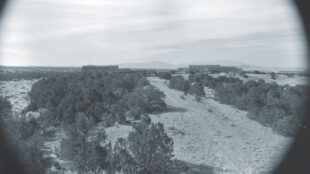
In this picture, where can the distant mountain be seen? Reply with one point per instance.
(228, 63)
(149, 65)
(219, 62)
(164, 65)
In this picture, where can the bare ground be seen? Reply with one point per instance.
(17, 93)
(214, 134)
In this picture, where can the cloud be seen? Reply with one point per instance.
(77, 32)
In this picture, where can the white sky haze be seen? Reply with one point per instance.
(78, 32)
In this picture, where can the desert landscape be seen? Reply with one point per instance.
(152, 87)
(208, 134)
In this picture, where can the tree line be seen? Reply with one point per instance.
(110, 98)
(31, 74)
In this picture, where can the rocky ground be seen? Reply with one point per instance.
(214, 134)
(17, 93)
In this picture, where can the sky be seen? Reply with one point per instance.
(102, 32)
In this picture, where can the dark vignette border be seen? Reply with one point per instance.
(296, 161)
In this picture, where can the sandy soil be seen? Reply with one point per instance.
(218, 135)
(17, 93)
(115, 132)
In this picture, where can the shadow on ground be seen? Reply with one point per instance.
(175, 109)
(181, 167)
(170, 109)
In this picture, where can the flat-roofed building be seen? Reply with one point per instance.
(232, 69)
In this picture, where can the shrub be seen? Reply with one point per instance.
(146, 100)
(102, 97)
(85, 148)
(147, 150)
(286, 126)
(5, 107)
(179, 83)
(164, 75)
(258, 72)
(23, 137)
(273, 75)
(197, 89)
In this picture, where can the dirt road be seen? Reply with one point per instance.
(218, 135)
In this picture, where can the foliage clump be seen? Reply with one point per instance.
(107, 98)
(164, 75)
(147, 150)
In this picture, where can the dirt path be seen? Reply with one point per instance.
(218, 135)
(52, 150)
